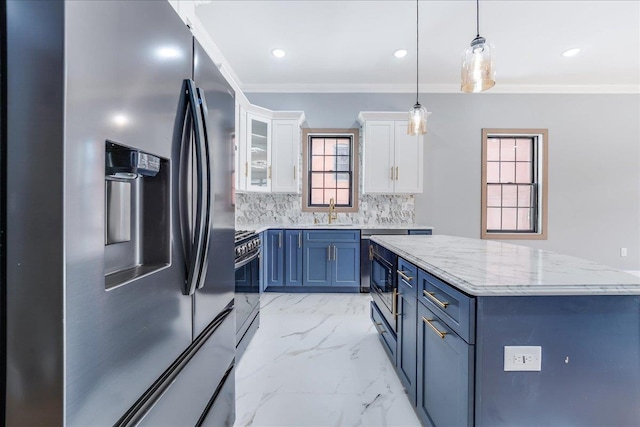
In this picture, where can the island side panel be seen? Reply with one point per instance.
(590, 361)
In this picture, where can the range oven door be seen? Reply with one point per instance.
(383, 286)
(247, 299)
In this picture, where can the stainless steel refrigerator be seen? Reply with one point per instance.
(117, 220)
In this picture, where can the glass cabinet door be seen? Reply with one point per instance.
(259, 139)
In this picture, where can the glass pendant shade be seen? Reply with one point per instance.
(417, 120)
(478, 71)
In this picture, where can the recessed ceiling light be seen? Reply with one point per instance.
(400, 53)
(120, 119)
(278, 53)
(571, 52)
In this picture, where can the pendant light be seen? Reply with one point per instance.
(418, 114)
(478, 72)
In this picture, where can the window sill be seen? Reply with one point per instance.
(513, 236)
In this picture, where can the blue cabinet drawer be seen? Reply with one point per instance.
(445, 373)
(408, 276)
(452, 306)
(332, 236)
(385, 332)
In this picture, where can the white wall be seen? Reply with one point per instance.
(594, 160)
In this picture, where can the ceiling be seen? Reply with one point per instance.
(347, 46)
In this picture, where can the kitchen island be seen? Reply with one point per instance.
(494, 334)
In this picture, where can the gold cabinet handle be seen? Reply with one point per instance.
(432, 297)
(370, 252)
(246, 169)
(397, 172)
(394, 303)
(300, 239)
(391, 173)
(404, 276)
(269, 172)
(280, 239)
(378, 326)
(428, 322)
(329, 253)
(294, 172)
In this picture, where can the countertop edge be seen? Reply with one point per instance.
(259, 228)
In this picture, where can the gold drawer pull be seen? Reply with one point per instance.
(404, 276)
(380, 330)
(428, 322)
(433, 298)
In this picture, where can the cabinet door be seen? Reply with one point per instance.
(407, 362)
(378, 157)
(408, 152)
(293, 258)
(275, 258)
(285, 154)
(317, 264)
(240, 149)
(445, 373)
(346, 264)
(258, 153)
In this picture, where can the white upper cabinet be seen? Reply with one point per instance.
(258, 153)
(378, 162)
(240, 149)
(285, 156)
(267, 150)
(392, 160)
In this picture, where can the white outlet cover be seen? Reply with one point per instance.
(522, 358)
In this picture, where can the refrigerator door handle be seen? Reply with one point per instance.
(206, 169)
(192, 243)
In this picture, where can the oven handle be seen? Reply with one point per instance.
(381, 260)
(247, 260)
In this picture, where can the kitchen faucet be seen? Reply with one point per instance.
(332, 210)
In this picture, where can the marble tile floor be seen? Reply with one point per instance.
(316, 361)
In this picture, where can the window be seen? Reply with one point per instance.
(514, 183)
(331, 169)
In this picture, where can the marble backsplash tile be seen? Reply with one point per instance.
(262, 208)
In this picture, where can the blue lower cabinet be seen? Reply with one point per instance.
(293, 258)
(331, 258)
(346, 264)
(444, 373)
(274, 274)
(385, 332)
(317, 264)
(406, 364)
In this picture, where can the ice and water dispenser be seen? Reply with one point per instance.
(137, 214)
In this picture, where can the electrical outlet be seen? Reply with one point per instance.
(623, 251)
(522, 358)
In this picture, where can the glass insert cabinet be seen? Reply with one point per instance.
(259, 154)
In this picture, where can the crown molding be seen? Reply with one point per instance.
(439, 88)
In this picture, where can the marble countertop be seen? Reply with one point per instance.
(489, 268)
(262, 227)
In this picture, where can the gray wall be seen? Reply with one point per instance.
(594, 160)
